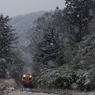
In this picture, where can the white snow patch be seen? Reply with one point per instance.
(10, 89)
(74, 86)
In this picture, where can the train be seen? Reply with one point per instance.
(27, 80)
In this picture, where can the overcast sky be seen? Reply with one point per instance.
(21, 7)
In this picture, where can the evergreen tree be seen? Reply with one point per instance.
(7, 37)
(49, 48)
(79, 13)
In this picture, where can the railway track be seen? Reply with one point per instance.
(43, 92)
(29, 91)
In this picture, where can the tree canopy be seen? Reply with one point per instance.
(7, 37)
(79, 13)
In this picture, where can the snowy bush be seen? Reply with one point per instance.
(67, 77)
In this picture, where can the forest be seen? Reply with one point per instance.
(57, 48)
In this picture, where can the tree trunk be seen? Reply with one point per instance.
(86, 29)
(79, 34)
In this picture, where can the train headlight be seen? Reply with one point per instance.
(30, 76)
(23, 75)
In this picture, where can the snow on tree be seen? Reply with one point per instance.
(49, 46)
(7, 41)
(7, 37)
(79, 13)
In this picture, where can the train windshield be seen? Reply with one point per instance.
(30, 78)
(23, 78)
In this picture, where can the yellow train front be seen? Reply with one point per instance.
(27, 80)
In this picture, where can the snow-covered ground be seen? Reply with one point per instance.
(18, 92)
(9, 87)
